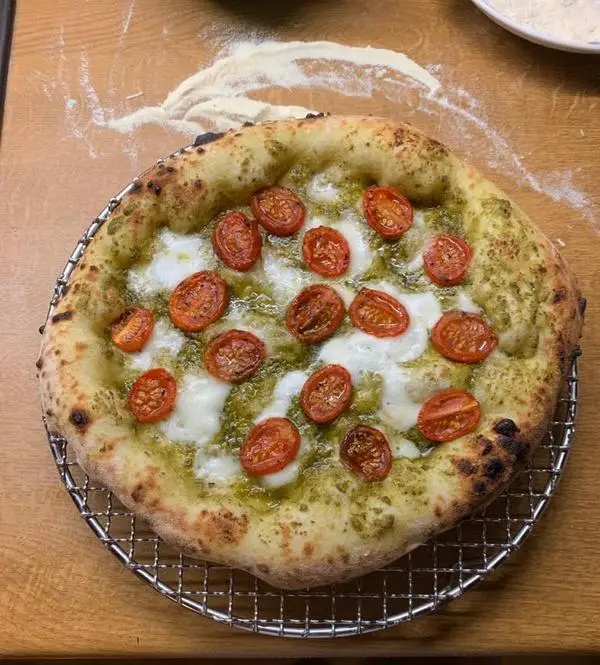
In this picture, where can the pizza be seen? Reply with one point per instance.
(304, 347)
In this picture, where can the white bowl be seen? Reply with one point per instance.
(534, 35)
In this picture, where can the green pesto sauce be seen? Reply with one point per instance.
(251, 298)
(445, 220)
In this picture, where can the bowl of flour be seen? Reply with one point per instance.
(567, 25)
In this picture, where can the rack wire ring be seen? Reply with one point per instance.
(439, 571)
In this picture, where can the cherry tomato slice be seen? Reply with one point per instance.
(387, 211)
(326, 251)
(236, 241)
(378, 314)
(198, 301)
(315, 314)
(449, 414)
(234, 355)
(152, 396)
(278, 210)
(366, 452)
(446, 260)
(463, 337)
(132, 329)
(270, 446)
(326, 393)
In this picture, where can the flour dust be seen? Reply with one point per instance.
(231, 90)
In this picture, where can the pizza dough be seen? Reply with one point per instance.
(317, 520)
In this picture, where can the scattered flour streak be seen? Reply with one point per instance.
(96, 108)
(219, 92)
(127, 18)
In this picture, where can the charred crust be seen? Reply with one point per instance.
(582, 305)
(153, 187)
(314, 116)
(209, 137)
(62, 316)
(506, 427)
(494, 469)
(248, 124)
(79, 418)
(223, 526)
(39, 363)
(480, 487)
(559, 296)
(486, 445)
(42, 328)
(465, 466)
(400, 136)
(516, 449)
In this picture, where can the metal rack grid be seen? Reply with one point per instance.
(420, 582)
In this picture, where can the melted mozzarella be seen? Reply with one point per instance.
(345, 293)
(416, 263)
(164, 341)
(465, 304)
(423, 308)
(322, 190)
(238, 319)
(197, 413)
(360, 252)
(404, 448)
(178, 257)
(287, 387)
(220, 468)
(286, 476)
(285, 280)
(312, 221)
(361, 353)
(416, 237)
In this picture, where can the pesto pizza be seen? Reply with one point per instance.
(304, 347)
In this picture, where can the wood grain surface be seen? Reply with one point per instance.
(62, 592)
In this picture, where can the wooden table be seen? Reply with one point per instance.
(62, 593)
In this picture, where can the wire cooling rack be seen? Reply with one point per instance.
(420, 582)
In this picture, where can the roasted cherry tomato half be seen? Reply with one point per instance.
(234, 355)
(326, 393)
(270, 446)
(326, 251)
(463, 337)
(366, 452)
(379, 314)
(198, 301)
(448, 414)
(132, 329)
(387, 211)
(315, 314)
(446, 260)
(152, 396)
(236, 241)
(278, 210)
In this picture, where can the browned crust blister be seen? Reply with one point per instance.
(291, 545)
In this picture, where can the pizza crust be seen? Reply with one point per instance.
(340, 527)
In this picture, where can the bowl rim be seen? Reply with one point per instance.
(536, 36)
